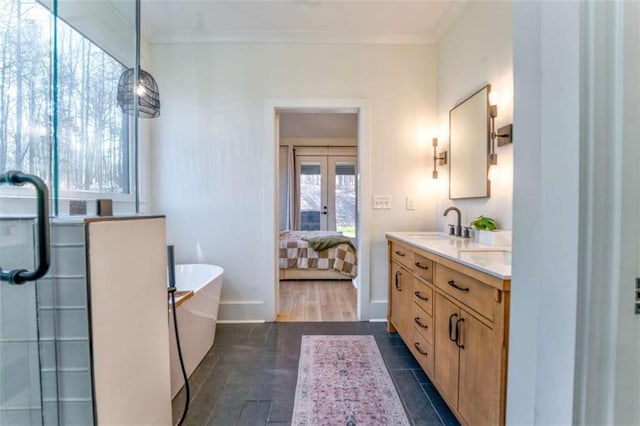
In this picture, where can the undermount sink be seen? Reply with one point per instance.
(429, 236)
(485, 256)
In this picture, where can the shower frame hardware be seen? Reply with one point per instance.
(21, 276)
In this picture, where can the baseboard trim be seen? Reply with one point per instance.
(377, 309)
(233, 311)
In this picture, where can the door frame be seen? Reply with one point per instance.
(363, 217)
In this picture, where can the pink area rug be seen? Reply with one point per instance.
(342, 380)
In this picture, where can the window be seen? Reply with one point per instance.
(93, 135)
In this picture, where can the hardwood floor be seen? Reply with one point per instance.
(317, 301)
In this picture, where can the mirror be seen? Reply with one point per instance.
(469, 147)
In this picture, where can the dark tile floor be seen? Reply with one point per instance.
(249, 376)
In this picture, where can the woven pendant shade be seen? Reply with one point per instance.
(146, 89)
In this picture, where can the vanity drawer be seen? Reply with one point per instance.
(422, 350)
(423, 267)
(423, 295)
(469, 291)
(402, 254)
(422, 323)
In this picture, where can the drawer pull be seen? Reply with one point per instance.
(399, 253)
(420, 296)
(417, 320)
(419, 265)
(453, 284)
(419, 349)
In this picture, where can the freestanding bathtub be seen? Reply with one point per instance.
(196, 318)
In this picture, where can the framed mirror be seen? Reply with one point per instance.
(469, 147)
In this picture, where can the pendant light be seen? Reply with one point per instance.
(137, 84)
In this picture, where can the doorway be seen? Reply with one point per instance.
(318, 199)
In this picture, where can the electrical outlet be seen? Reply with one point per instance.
(409, 203)
(382, 202)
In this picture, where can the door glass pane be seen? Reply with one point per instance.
(26, 30)
(20, 361)
(310, 196)
(346, 199)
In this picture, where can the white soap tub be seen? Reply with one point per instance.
(196, 318)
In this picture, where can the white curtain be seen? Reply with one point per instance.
(291, 189)
(287, 188)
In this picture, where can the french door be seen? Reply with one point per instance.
(327, 198)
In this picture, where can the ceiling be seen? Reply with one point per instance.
(298, 21)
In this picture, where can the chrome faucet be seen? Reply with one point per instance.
(459, 224)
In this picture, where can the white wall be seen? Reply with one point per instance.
(542, 346)
(608, 350)
(476, 50)
(212, 168)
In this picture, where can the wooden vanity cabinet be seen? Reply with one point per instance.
(421, 338)
(467, 373)
(400, 293)
(457, 331)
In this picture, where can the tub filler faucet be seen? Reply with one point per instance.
(458, 232)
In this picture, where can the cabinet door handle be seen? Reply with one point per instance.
(420, 296)
(453, 284)
(399, 253)
(453, 339)
(417, 321)
(419, 349)
(419, 265)
(461, 346)
(398, 273)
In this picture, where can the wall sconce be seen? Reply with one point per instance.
(439, 158)
(503, 137)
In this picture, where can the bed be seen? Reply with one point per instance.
(299, 261)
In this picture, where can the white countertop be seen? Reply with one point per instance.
(493, 260)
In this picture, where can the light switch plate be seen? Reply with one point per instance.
(382, 202)
(409, 203)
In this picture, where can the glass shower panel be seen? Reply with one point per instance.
(59, 120)
(20, 386)
(26, 34)
(26, 107)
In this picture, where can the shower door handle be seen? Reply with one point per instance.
(20, 276)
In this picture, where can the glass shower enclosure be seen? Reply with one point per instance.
(60, 61)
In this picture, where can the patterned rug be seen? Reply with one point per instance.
(342, 380)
